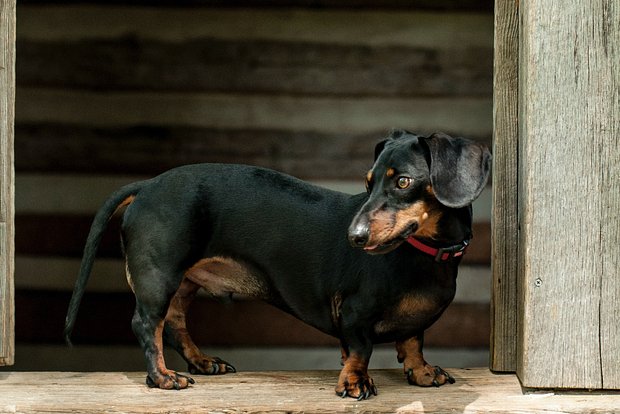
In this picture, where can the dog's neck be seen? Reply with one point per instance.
(454, 227)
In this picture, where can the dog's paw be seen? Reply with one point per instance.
(428, 376)
(356, 385)
(210, 366)
(169, 380)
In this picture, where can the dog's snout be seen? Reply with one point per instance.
(359, 235)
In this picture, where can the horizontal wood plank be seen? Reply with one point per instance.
(444, 5)
(75, 194)
(476, 390)
(468, 116)
(106, 318)
(149, 150)
(377, 27)
(255, 66)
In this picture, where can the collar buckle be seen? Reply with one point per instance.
(446, 253)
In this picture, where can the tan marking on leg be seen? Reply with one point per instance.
(416, 369)
(176, 320)
(159, 348)
(354, 378)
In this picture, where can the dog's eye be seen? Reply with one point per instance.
(403, 182)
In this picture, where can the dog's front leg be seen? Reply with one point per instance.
(354, 380)
(417, 370)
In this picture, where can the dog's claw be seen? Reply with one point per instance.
(410, 379)
(230, 368)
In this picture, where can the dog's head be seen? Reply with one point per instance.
(413, 181)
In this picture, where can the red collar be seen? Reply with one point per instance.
(443, 254)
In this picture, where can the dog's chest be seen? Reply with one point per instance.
(410, 313)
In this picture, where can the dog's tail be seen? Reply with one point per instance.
(120, 198)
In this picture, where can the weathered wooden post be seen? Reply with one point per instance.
(7, 102)
(565, 290)
(505, 150)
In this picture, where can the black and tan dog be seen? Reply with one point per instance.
(370, 268)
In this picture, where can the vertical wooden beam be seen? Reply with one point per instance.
(7, 102)
(569, 194)
(505, 173)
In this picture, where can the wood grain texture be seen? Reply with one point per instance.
(475, 391)
(150, 150)
(255, 66)
(609, 144)
(372, 28)
(505, 177)
(470, 116)
(443, 5)
(7, 102)
(569, 117)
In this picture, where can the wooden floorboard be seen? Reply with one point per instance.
(476, 390)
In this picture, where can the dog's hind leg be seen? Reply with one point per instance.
(176, 334)
(154, 289)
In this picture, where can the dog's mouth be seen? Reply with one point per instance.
(387, 246)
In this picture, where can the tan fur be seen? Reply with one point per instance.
(222, 276)
(386, 225)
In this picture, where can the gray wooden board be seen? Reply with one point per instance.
(476, 390)
(7, 94)
(569, 199)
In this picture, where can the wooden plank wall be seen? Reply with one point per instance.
(113, 91)
(7, 100)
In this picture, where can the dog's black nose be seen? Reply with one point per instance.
(358, 236)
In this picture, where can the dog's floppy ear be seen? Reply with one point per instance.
(459, 169)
